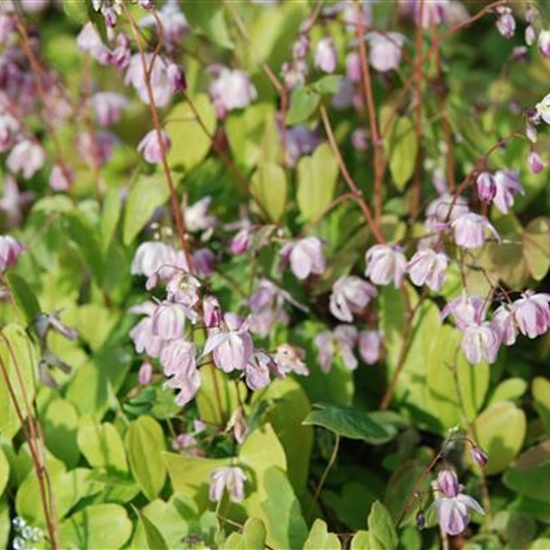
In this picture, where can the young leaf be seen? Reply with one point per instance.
(155, 540)
(382, 532)
(270, 188)
(320, 539)
(303, 103)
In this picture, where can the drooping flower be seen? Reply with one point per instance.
(267, 307)
(173, 21)
(238, 425)
(370, 346)
(532, 313)
(291, 359)
(178, 358)
(177, 78)
(232, 89)
(444, 210)
(8, 131)
(10, 250)
(453, 506)
(507, 185)
(480, 342)
(169, 320)
(428, 267)
(211, 311)
(241, 241)
(204, 262)
(431, 13)
(504, 323)
(13, 202)
(506, 23)
(305, 256)
(341, 342)
(530, 35)
(486, 187)
(61, 178)
(230, 479)
(108, 107)
(542, 109)
(465, 310)
(145, 373)
(353, 67)
(197, 217)
(479, 456)
(152, 149)
(89, 40)
(183, 288)
(469, 230)
(157, 69)
(187, 386)
(385, 50)
(535, 163)
(144, 339)
(26, 157)
(350, 295)
(544, 43)
(155, 257)
(385, 264)
(325, 55)
(257, 369)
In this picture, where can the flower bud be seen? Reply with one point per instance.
(535, 162)
(530, 35)
(506, 24)
(177, 78)
(325, 56)
(544, 43)
(479, 456)
(486, 188)
(420, 520)
(145, 374)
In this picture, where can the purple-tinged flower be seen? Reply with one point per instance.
(108, 107)
(340, 341)
(13, 201)
(295, 73)
(89, 40)
(486, 187)
(532, 313)
(152, 149)
(153, 257)
(353, 67)
(370, 346)
(305, 255)
(231, 347)
(542, 109)
(169, 320)
(177, 78)
(544, 43)
(8, 131)
(479, 456)
(188, 444)
(161, 85)
(535, 162)
(232, 89)
(110, 9)
(241, 241)
(506, 23)
(355, 14)
(204, 262)
(431, 13)
(291, 359)
(469, 230)
(188, 387)
(504, 323)
(120, 56)
(197, 217)
(360, 139)
(466, 310)
(453, 507)
(384, 264)
(530, 35)
(10, 250)
(350, 295)
(26, 157)
(144, 339)
(61, 179)
(237, 423)
(178, 358)
(480, 342)
(507, 186)
(96, 148)
(212, 311)
(267, 307)
(145, 373)
(531, 133)
(300, 141)
(428, 267)
(230, 479)
(256, 370)
(325, 58)
(385, 50)
(146, 4)
(7, 27)
(301, 46)
(183, 288)
(173, 21)
(444, 210)
(420, 520)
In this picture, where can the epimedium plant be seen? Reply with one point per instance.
(273, 274)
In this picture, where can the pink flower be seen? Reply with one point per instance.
(177, 78)
(530, 35)
(504, 323)
(531, 133)
(145, 374)
(231, 347)
(204, 262)
(152, 149)
(535, 162)
(465, 310)
(431, 13)
(173, 21)
(26, 157)
(155, 257)
(256, 370)
(428, 267)
(61, 178)
(290, 359)
(230, 479)
(161, 84)
(241, 241)
(108, 107)
(267, 307)
(169, 320)
(444, 210)
(385, 264)
(89, 40)
(479, 456)
(144, 339)
(212, 311)
(237, 423)
(544, 43)
(8, 131)
(506, 23)
(197, 217)
(183, 288)
(10, 250)
(232, 89)
(385, 50)
(340, 341)
(325, 55)
(305, 256)
(532, 313)
(370, 346)
(353, 67)
(480, 342)
(97, 147)
(507, 185)
(469, 230)
(350, 295)
(542, 109)
(453, 507)
(13, 202)
(178, 358)
(486, 187)
(188, 387)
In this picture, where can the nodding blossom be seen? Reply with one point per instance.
(257, 369)
(154, 258)
(350, 295)
(26, 157)
(8, 131)
(453, 507)
(535, 163)
(152, 149)
(532, 313)
(479, 456)
(161, 85)
(13, 201)
(428, 267)
(465, 310)
(385, 264)
(480, 342)
(228, 479)
(108, 107)
(530, 35)
(305, 256)
(444, 210)
(179, 358)
(183, 288)
(504, 323)
(486, 187)
(542, 109)
(231, 89)
(267, 307)
(173, 21)
(169, 320)
(339, 341)
(61, 178)
(10, 250)
(89, 41)
(197, 217)
(431, 13)
(544, 43)
(506, 23)
(290, 359)
(370, 346)
(385, 50)
(353, 67)
(325, 55)
(469, 230)
(142, 333)
(145, 373)
(187, 387)
(507, 186)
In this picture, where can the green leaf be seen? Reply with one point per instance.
(155, 540)
(144, 445)
(269, 187)
(536, 247)
(382, 532)
(97, 527)
(317, 177)
(528, 477)
(60, 422)
(145, 196)
(16, 352)
(4, 471)
(190, 142)
(327, 85)
(24, 296)
(401, 147)
(252, 537)
(102, 445)
(320, 539)
(89, 390)
(541, 399)
(361, 541)
(208, 19)
(303, 103)
(509, 390)
(214, 383)
(346, 422)
(77, 11)
(112, 208)
(502, 445)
